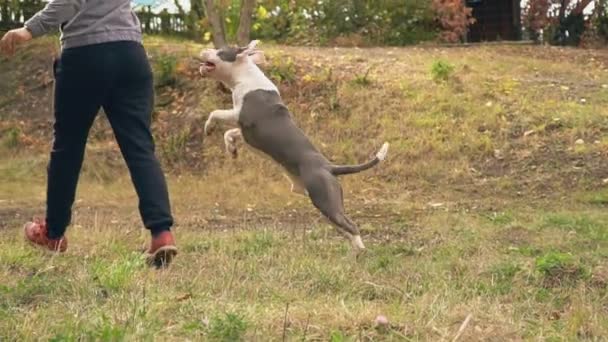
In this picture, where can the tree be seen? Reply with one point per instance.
(245, 18)
(563, 18)
(217, 24)
(215, 14)
(454, 18)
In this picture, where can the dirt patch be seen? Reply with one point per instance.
(516, 236)
(16, 217)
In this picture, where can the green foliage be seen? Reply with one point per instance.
(600, 20)
(391, 22)
(338, 336)
(559, 268)
(227, 327)
(550, 262)
(282, 70)
(441, 70)
(165, 68)
(356, 22)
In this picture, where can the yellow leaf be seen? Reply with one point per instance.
(262, 13)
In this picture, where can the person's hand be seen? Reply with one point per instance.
(12, 38)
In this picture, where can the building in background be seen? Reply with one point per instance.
(495, 20)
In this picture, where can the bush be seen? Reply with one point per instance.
(454, 18)
(441, 70)
(356, 22)
(165, 70)
(229, 327)
(282, 70)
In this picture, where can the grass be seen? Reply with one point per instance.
(486, 206)
(238, 283)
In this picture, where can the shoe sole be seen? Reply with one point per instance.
(162, 257)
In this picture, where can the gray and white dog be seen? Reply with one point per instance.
(266, 124)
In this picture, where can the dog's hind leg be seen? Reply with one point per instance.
(326, 194)
(230, 137)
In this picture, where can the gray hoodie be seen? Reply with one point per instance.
(87, 22)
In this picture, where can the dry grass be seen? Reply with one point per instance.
(486, 207)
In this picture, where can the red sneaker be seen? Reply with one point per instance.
(37, 234)
(162, 250)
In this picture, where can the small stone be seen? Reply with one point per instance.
(489, 104)
(579, 142)
(605, 86)
(381, 321)
(583, 101)
(605, 181)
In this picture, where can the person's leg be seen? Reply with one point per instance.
(129, 107)
(77, 99)
(76, 103)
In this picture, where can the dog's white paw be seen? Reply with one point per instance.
(208, 127)
(381, 155)
(231, 148)
(357, 242)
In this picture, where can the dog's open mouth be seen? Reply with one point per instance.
(208, 66)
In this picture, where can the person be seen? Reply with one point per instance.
(102, 64)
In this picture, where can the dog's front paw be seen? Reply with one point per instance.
(208, 127)
(233, 152)
(231, 147)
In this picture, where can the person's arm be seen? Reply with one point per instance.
(52, 16)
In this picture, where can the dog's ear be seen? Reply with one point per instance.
(248, 50)
(252, 44)
(257, 56)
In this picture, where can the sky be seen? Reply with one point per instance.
(159, 5)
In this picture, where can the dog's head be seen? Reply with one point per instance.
(226, 63)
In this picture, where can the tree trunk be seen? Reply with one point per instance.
(217, 26)
(244, 31)
(580, 7)
(562, 9)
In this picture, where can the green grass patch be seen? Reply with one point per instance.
(441, 70)
(560, 269)
(228, 327)
(588, 226)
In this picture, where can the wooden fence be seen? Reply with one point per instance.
(12, 16)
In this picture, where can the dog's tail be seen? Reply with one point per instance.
(338, 170)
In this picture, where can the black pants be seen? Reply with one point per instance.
(116, 77)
